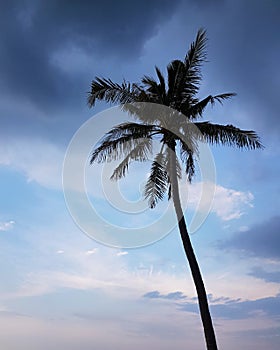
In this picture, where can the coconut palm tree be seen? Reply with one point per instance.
(179, 130)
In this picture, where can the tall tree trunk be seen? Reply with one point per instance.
(199, 285)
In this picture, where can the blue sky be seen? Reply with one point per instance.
(62, 289)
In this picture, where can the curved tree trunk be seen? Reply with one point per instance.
(199, 285)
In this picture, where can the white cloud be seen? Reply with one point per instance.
(6, 226)
(42, 162)
(226, 203)
(91, 251)
(38, 160)
(60, 252)
(229, 204)
(122, 253)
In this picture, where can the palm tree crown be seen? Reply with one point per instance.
(133, 141)
(168, 110)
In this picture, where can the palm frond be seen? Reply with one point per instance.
(187, 157)
(192, 112)
(190, 167)
(161, 85)
(176, 83)
(150, 83)
(221, 97)
(195, 58)
(139, 153)
(178, 168)
(196, 55)
(198, 108)
(115, 149)
(158, 181)
(107, 90)
(149, 113)
(160, 77)
(119, 141)
(228, 135)
(154, 90)
(129, 128)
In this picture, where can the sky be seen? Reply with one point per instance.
(67, 281)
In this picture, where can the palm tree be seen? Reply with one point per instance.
(178, 132)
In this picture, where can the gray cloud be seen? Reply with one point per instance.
(31, 31)
(223, 307)
(259, 272)
(171, 296)
(246, 40)
(240, 309)
(269, 306)
(262, 240)
(243, 57)
(243, 53)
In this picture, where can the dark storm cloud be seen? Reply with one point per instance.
(262, 240)
(243, 50)
(245, 43)
(31, 31)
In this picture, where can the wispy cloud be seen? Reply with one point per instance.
(6, 225)
(91, 251)
(122, 253)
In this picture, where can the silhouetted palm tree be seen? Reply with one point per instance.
(177, 132)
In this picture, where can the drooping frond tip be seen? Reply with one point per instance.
(229, 135)
(139, 153)
(198, 108)
(158, 181)
(120, 141)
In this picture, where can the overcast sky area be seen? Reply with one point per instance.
(60, 288)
